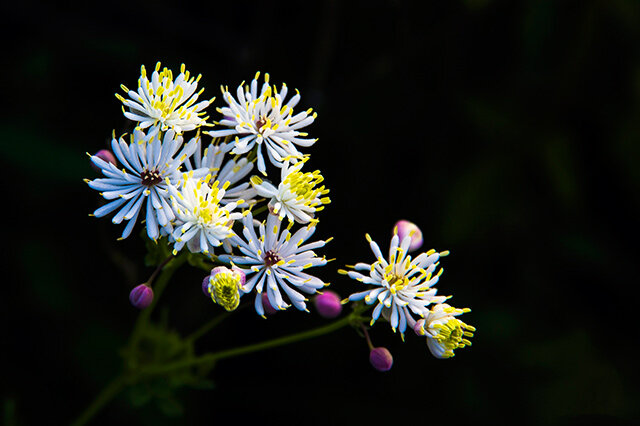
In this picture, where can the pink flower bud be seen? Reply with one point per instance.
(328, 304)
(105, 155)
(381, 359)
(141, 296)
(205, 285)
(406, 228)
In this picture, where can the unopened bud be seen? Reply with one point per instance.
(141, 296)
(328, 304)
(405, 228)
(418, 327)
(381, 359)
(105, 155)
(205, 285)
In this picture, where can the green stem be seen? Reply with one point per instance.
(207, 327)
(216, 356)
(170, 267)
(259, 210)
(107, 394)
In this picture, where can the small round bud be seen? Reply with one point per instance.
(268, 309)
(405, 228)
(105, 155)
(205, 285)
(141, 296)
(381, 359)
(328, 304)
(418, 327)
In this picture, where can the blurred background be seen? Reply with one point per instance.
(507, 130)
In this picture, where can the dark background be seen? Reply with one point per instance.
(508, 131)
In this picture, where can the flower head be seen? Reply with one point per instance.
(224, 286)
(149, 167)
(164, 103)
(279, 261)
(297, 196)
(444, 331)
(403, 285)
(257, 118)
(201, 221)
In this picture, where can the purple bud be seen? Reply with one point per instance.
(328, 304)
(141, 296)
(405, 228)
(105, 155)
(381, 359)
(268, 309)
(418, 327)
(205, 285)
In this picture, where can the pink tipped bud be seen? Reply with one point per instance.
(381, 359)
(328, 304)
(418, 327)
(268, 309)
(205, 285)
(105, 155)
(141, 296)
(406, 228)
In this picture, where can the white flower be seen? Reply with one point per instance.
(278, 260)
(265, 117)
(296, 197)
(444, 331)
(201, 221)
(150, 164)
(233, 170)
(164, 103)
(403, 284)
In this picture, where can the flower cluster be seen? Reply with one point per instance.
(403, 290)
(193, 197)
(201, 195)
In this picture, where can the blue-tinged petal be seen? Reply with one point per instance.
(152, 223)
(136, 207)
(129, 227)
(261, 167)
(127, 208)
(359, 296)
(376, 312)
(394, 316)
(109, 207)
(258, 304)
